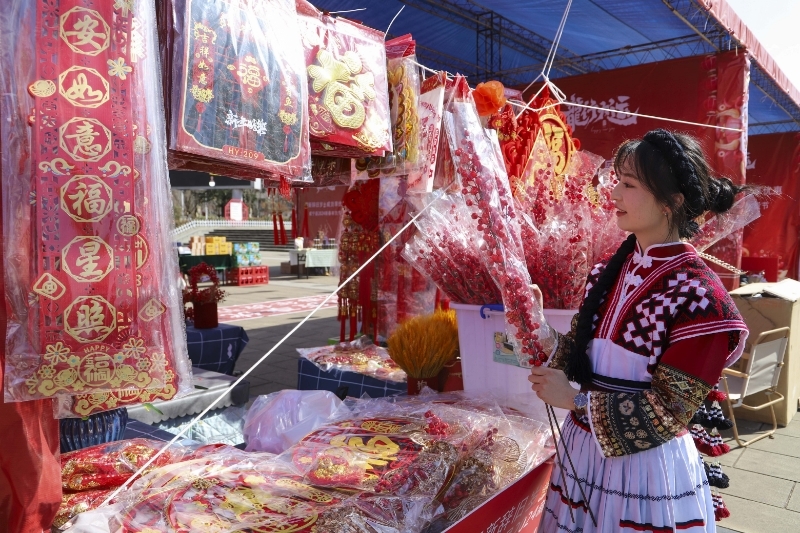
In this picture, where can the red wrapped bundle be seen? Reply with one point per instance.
(347, 99)
(391, 455)
(107, 466)
(75, 503)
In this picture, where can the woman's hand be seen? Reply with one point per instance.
(552, 386)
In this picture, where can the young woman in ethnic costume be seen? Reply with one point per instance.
(653, 334)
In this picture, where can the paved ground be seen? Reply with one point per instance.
(763, 496)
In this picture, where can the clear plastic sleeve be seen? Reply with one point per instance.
(92, 296)
(238, 87)
(279, 420)
(488, 197)
(431, 104)
(359, 356)
(718, 227)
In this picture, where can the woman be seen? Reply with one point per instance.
(653, 334)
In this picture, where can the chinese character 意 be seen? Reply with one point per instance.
(84, 137)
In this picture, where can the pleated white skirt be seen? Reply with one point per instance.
(661, 490)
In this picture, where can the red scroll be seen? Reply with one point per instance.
(99, 315)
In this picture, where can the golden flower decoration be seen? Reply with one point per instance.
(56, 353)
(134, 347)
(119, 68)
(119, 357)
(143, 364)
(73, 360)
(47, 372)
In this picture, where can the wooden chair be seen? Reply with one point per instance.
(761, 372)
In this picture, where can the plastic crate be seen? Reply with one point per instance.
(485, 353)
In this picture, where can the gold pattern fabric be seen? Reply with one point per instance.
(626, 423)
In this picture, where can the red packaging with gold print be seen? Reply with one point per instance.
(238, 85)
(92, 250)
(348, 99)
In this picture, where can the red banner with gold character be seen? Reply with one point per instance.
(91, 325)
(774, 161)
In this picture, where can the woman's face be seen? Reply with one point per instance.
(638, 211)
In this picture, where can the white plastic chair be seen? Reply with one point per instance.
(761, 373)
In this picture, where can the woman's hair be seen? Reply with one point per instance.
(668, 165)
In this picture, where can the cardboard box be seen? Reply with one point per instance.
(767, 306)
(226, 248)
(212, 248)
(516, 509)
(240, 247)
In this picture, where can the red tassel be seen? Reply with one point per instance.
(294, 223)
(716, 395)
(283, 230)
(720, 510)
(275, 237)
(342, 319)
(305, 231)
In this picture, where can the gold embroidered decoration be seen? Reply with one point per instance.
(86, 198)
(141, 145)
(346, 90)
(151, 310)
(681, 393)
(118, 68)
(87, 259)
(57, 167)
(112, 169)
(128, 225)
(42, 88)
(49, 287)
(90, 319)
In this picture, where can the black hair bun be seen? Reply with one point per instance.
(722, 193)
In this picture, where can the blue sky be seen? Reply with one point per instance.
(776, 24)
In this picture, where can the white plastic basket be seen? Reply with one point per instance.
(483, 348)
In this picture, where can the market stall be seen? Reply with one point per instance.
(447, 192)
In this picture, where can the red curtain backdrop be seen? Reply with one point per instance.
(708, 89)
(774, 161)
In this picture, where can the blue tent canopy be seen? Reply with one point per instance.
(510, 40)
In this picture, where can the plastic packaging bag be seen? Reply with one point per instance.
(359, 356)
(279, 420)
(238, 88)
(347, 85)
(92, 299)
(488, 198)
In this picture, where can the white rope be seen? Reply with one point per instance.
(347, 11)
(432, 71)
(630, 113)
(395, 17)
(551, 55)
(263, 357)
(559, 33)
